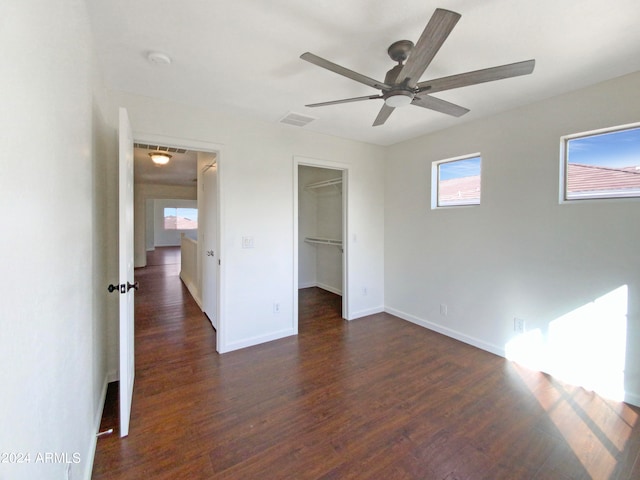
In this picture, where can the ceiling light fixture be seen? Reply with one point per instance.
(160, 158)
(399, 98)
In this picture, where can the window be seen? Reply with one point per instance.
(604, 164)
(178, 218)
(456, 181)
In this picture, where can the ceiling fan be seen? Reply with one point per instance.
(401, 85)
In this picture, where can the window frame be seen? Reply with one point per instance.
(435, 181)
(564, 170)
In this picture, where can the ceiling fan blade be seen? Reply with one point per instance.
(478, 76)
(439, 105)
(435, 33)
(346, 100)
(385, 111)
(345, 72)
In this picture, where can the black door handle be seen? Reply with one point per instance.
(122, 288)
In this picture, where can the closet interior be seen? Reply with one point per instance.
(320, 228)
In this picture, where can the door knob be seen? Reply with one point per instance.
(132, 285)
(113, 288)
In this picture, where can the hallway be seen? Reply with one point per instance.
(376, 398)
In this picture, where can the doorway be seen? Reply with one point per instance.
(320, 229)
(209, 159)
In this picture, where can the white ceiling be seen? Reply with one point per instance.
(242, 56)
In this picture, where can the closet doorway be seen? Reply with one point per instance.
(321, 228)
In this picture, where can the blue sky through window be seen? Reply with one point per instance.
(189, 213)
(614, 149)
(467, 167)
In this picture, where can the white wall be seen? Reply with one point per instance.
(142, 193)
(170, 238)
(54, 241)
(520, 253)
(256, 176)
(150, 226)
(319, 214)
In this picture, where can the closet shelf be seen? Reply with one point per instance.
(334, 182)
(323, 241)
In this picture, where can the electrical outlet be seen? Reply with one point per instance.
(443, 309)
(519, 325)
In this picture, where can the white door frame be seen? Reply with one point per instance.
(219, 150)
(344, 168)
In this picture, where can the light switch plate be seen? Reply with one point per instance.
(247, 242)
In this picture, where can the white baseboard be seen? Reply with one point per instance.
(250, 342)
(366, 313)
(323, 286)
(329, 288)
(192, 290)
(475, 342)
(93, 441)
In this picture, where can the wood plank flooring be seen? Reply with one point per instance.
(375, 398)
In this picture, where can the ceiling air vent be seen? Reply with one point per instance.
(159, 148)
(296, 119)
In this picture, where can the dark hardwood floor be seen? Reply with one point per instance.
(375, 398)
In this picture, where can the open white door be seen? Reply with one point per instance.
(127, 288)
(210, 261)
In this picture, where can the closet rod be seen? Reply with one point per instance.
(323, 241)
(325, 183)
